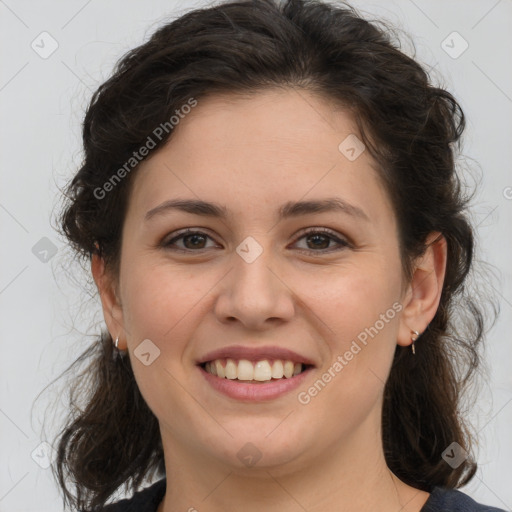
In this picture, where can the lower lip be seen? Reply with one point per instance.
(255, 392)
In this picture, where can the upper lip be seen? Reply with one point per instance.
(255, 354)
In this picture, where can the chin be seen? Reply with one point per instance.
(259, 446)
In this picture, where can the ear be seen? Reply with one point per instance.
(112, 310)
(421, 299)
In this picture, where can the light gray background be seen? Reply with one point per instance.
(41, 108)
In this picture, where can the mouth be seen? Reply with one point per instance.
(254, 371)
(254, 374)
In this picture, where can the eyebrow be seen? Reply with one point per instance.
(288, 210)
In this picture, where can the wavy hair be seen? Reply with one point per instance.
(412, 129)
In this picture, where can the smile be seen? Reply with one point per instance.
(264, 370)
(240, 378)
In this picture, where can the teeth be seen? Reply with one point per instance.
(277, 370)
(245, 370)
(261, 371)
(231, 369)
(220, 369)
(288, 369)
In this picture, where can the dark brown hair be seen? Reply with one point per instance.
(411, 128)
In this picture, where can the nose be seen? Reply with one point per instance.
(256, 294)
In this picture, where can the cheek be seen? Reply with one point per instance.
(162, 304)
(351, 300)
(359, 313)
(157, 301)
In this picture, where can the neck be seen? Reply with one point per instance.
(351, 476)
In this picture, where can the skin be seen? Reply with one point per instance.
(253, 154)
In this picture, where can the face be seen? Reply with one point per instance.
(265, 281)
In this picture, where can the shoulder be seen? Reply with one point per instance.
(146, 500)
(451, 500)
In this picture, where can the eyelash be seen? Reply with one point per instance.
(323, 231)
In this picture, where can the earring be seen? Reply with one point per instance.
(414, 338)
(116, 352)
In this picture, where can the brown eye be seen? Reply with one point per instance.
(319, 240)
(191, 240)
(194, 241)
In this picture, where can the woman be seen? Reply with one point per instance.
(270, 207)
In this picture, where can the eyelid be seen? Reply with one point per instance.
(182, 233)
(341, 240)
(327, 231)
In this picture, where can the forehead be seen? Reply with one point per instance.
(259, 151)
